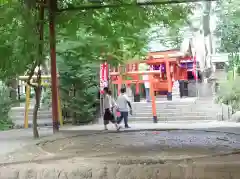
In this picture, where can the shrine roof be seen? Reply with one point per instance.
(163, 51)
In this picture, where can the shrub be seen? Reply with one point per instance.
(46, 99)
(5, 107)
(229, 94)
(79, 89)
(78, 84)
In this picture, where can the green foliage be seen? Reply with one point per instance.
(234, 61)
(78, 88)
(115, 34)
(228, 28)
(5, 106)
(170, 37)
(229, 94)
(84, 39)
(19, 39)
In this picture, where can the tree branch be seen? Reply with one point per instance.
(99, 6)
(31, 73)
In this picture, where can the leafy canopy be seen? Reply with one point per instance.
(19, 40)
(228, 28)
(118, 33)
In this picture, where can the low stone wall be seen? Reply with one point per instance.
(131, 171)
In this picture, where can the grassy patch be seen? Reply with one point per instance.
(5, 125)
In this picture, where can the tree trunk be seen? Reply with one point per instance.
(38, 87)
(74, 114)
(206, 18)
(207, 35)
(52, 4)
(38, 91)
(35, 111)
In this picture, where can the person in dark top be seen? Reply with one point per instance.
(108, 105)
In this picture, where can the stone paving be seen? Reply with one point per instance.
(176, 110)
(209, 125)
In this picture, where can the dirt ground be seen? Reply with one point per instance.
(156, 144)
(176, 154)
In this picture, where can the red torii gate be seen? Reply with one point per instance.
(171, 70)
(160, 80)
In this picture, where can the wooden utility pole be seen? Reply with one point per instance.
(52, 6)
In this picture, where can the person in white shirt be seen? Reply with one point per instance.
(108, 105)
(113, 102)
(122, 103)
(147, 86)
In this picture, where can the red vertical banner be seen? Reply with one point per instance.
(194, 70)
(172, 73)
(103, 76)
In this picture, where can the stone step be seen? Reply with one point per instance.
(22, 109)
(30, 119)
(175, 114)
(41, 123)
(180, 118)
(199, 109)
(162, 104)
(186, 109)
(145, 118)
(148, 109)
(170, 103)
(141, 110)
(163, 107)
(166, 114)
(30, 111)
(18, 120)
(143, 103)
(40, 116)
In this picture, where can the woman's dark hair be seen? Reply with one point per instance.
(110, 92)
(106, 89)
(99, 94)
(123, 90)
